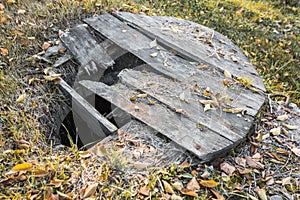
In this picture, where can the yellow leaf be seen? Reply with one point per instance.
(21, 98)
(168, 187)
(21, 167)
(209, 183)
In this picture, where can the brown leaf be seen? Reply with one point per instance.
(193, 184)
(90, 190)
(262, 194)
(290, 127)
(56, 182)
(209, 183)
(240, 161)
(21, 98)
(227, 168)
(2, 7)
(145, 190)
(219, 197)
(254, 164)
(190, 193)
(52, 77)
(282, 117)
(63, 196)
(4, 51)
(175, 197)
(46, 46)
(275, 131)
(168, 187)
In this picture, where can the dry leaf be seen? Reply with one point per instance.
(142, 95)
(254, 164)
(153, 43)
(286, 181)
(168, 187)
(46, 45)
(56, 182)
(240, 161)
(153, 55)
(262, 194)
(209, 183)
(227, 74)
(205, 174)
(21, 98)
(145, 190)
(233, 110)
(296, 151)
(282, 117)
(233, 58)
(21, 11)
(2, 7)
(182, 97)
(21, 167)
(175, 197)
(46, 71)
(275, 131)
(227, 168)
(178, 185)
(90, 190)
(63, 196)
(207, 107)
(190, 193)
(193, 184)
(219, 197)
(4, 51)
(291, 127)
(52, 77)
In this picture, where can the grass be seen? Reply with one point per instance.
(268, 32)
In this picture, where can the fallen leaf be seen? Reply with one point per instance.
(209, 183)
(63, 196)
(52, 77)
(46, 45)
(178, 185)
(207, 107)
(21, 98)
(275, 131)
(4, 51)
(282, 117)
(233, 58)
(142, 95)
(21, 167)
(227, 168)
(233, 110)
(227, 74)
(46, 71)
(190, 193)
(153, 55)
(175, 197)
(205, 174)
(296, 151)
(153, 43)
(219, 197)
(145, 190)
(2, 7)
(291, 127)
(90, 190)
(56, 182)
(21, 11)
(193, 184)
(240, 161)
(168, 187)
(254, 164)
(262, 194)
(286, 180)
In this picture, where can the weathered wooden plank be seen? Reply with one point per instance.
(95, 125)
(205, 144)
(177, 34)
(182, 69)
(136, 43)
(87, 51)
(168, 92)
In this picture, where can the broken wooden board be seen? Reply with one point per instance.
(195, 42)
(206, 144)
(189, 72)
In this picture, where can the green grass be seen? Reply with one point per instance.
(268, 32)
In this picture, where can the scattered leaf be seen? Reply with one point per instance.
(282, 117)
(63, 196)
(291, 127)
(90, 190)
(209, 183)
(142, 95)
(227, 168)
(2, 7)
(153, 43)
(233, 110)
(21, 98)
(193, 184)
(46, 71)
(153, 55)
(275, 131)
(227, 74)
(133, 98)
(46, 45)
(219, 197)
(145, 190)
(286, 180)
(52, 77)
(296, 151)
(56, 182)
(262, 194)
(4, 51)
(21, 11)
(152, 102)
(254, 164)
(190, 193)
(175, 197)
(240, 161)
(168, 187)
(178, 185)
(21, 167)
